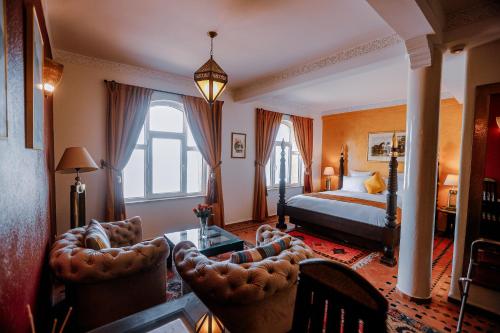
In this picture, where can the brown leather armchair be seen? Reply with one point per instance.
(108, 284)
(251, 297)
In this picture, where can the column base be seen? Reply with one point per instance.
(414, 299)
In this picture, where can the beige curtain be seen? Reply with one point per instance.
(127, 109)
(206, 126)
(266, 129)
(303, 129)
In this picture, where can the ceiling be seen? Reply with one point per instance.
(373, 85)
(257, 38)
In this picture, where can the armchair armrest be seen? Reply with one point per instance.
(225, 282)
(83, 265)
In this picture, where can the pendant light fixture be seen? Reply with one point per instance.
(210, 79)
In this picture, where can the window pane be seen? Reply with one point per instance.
(194, 171)
(294, 144)
(133, 175)
(166, 119)
(190, 139)
(295, 169)
(277, 163)
(283, 133)
(166, 165)
(268, 173)
(140, 140)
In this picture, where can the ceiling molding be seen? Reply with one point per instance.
(482, 10)
(419, 52)
(311, 70)
(67, 57)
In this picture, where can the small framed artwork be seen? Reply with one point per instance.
(238, 145)
(379, 146)
(3, 71)
(33, 81)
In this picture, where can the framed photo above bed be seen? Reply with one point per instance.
(33, 81)
(238, 145)
(379, 146)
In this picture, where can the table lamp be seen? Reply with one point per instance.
(328, 172)
(76, 160)
(452, 180)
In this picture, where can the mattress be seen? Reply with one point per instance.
(347, 210)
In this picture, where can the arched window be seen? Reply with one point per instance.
(293, 161)
(165, 161)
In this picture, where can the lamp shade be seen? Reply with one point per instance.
(328, 171)
(451, 180)
(498, 122)
(76, 159)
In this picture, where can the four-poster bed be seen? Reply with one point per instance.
(366, 229)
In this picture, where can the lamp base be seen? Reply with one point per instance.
(77, 205)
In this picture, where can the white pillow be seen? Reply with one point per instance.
(355, 173)
(354, 184)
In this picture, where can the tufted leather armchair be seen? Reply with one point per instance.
(106, 285)
(251, 297)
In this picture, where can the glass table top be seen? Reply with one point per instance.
(216, 237)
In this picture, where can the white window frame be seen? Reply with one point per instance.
(274, 171)
(175, 102)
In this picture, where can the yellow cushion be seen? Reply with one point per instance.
(375, 184)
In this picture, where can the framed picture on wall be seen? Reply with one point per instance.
(238, 145)
(3, 71)
(379, 146)
(33, 81)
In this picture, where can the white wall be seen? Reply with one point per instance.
(483, 67)
(80, 118)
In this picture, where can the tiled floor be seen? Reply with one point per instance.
(439, 314)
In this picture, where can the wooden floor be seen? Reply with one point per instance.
(439, 314)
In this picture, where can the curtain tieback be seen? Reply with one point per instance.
(105, 164)
(257, 163)
(212, 193)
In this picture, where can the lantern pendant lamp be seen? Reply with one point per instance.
(210, 79)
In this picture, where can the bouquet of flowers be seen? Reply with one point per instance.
(203, 210)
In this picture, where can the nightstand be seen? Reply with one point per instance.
(449, 215)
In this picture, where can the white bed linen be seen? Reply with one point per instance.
(352, 211)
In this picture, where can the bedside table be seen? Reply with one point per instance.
(449, 214)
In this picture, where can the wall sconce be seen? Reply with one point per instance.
(498, 122)
(52, 73)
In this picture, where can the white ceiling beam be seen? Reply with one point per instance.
(339, 63)
(414, 21)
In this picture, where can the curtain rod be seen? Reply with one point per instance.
(157, 90)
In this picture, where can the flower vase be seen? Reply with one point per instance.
(204, 227)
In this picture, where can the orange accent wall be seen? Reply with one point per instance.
(352, 128)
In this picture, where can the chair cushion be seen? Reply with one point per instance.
(375, 184)
(96, 237)
(261, 252)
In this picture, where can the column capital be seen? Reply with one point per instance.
(419, 51)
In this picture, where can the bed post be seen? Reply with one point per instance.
(281, 202)
(341, 168)
(392, 205)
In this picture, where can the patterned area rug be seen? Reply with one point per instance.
(337, 251)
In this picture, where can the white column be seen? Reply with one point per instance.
(417, 228)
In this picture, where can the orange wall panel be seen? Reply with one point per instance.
(352, 128)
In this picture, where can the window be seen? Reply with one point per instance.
(165, 161)
(293, 161)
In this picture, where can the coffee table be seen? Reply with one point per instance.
(219, 241)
